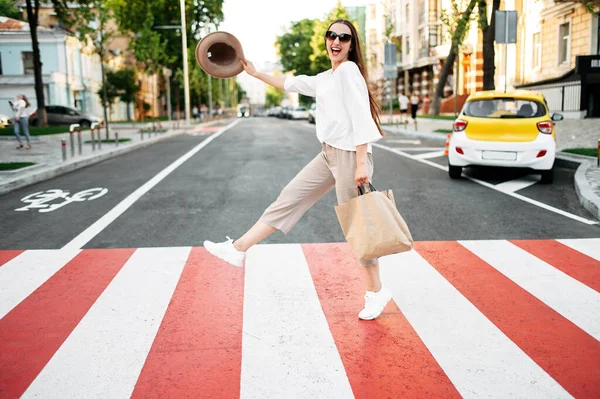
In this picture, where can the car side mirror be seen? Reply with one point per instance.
(557, 117)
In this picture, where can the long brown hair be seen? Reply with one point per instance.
(355, 55)
(27, 104)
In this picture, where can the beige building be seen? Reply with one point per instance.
(553, 38)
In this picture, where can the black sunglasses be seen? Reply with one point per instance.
(344, 37)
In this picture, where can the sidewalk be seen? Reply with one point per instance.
(46, 151)
(569, 134)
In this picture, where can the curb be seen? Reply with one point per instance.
(588, 198)
(50, 172)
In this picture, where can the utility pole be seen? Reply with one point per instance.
(186, 80)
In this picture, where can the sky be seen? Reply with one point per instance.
(256, 23)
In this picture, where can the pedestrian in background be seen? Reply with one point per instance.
(22, 119)
(195, 112)
(347, 123)
(414, 106)
(403, 102)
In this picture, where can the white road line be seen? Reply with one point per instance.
(420, 148)
(587, 246)
(104, 355)
(569, 297)
(287, 348)
(517, 184)
(27, 272)
(428, 155)
(478, 358)
(403, 141)
(492, 186)
(88, 234)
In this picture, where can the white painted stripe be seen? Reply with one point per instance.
(104, 355)
(403, 141)
(420, 148)
(587, 246)
(24, 274)
(428, 155)
(569, 297)
(287, 348)
(518, 184)
(88, 234)
(478, 358)
(492, 186)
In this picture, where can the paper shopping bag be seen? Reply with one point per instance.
(373, 226)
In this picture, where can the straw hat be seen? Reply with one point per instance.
(219, 55)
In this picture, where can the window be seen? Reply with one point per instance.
(27, 57)
(407, 45)
(373, 11)
(509, 108)
(422, 12)
(423, 43)
(564, 39)
(407, 15)
(536, 61)
(0, 63)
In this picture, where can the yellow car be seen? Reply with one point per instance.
(512, 129)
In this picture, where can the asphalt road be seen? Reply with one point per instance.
(224, 187)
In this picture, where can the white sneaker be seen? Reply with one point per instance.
(226, 251)
(375, 303)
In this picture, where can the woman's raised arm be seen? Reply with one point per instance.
(275, 81)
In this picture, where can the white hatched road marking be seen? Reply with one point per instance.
(518, 184)
(25, 273)
(428, 155)
(477, 357)
(104, 355)
(286, 336)
(574, 300)
(587, 246)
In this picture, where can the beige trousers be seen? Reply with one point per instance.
(331, 168)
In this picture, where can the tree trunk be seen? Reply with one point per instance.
(32, 17)
(128, 111)
(489, 53)
(449, 62)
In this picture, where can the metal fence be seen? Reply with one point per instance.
(564, 97)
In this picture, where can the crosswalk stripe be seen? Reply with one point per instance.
(572, 299)
(5, 256)
(22, 275)
(580, 266)
(198, 348)
(537, 329)
(103, 356)
(288, 350)
(384, 358)
(477, 357)
(33, 331)
(588, 246)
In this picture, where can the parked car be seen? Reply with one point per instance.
(513, 129)
(298, 113)
(311, 113)
(61, 115)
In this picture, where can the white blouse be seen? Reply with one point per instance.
(343, 113)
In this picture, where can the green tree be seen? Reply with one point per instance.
(457, 22)
(319, 58)
(125, 83)
(8, 9)
(294, 47)
(488, 32)
(33, 8)
(273, 96)
(109, 93)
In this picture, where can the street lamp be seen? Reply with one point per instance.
(186, 80)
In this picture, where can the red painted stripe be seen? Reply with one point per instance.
(5, 256)
(384, 358)
(34, 330)
(569, 261)
(563, 350)
(198, 349)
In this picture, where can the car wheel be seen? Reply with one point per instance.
(85, 123)
(454, 171)
(547, 176)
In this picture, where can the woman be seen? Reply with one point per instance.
(347, 123)
(414, 106)
(22, 119)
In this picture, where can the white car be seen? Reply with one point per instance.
(298, 113)
(5, 121)
(511, 129)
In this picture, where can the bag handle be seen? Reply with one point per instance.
(360, 189)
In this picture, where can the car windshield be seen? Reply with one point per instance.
(504, 108)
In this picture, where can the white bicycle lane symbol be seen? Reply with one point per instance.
(41, 200)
